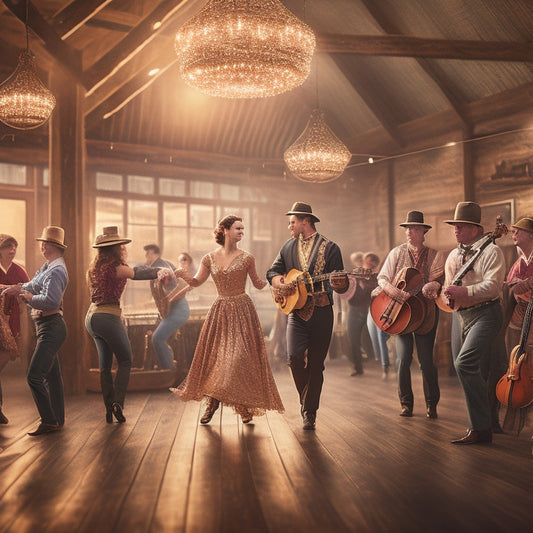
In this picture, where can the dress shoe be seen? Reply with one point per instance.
(406, 412)
(475, 437)
(109, 415)
(212, 406)
(309, 420)
(431, 411)
(3, 418)
(117, 411)
(45, 428)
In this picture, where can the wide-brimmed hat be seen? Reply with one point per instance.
(7, 240)
(301, 208)
(525, 224)
(109, 237)
(466, 213)
(54, 235)
(415, 218)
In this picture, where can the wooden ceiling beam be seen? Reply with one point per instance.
(370, 97)
(408, 46)
(131, 44)
(65, 55)
(433, 70)
(75, 15)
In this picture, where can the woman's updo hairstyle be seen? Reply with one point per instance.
(224, 223)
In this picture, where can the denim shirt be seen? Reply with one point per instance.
(48, 285)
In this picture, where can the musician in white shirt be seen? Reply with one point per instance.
(477, 302)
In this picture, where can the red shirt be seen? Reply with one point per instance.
(15, 274)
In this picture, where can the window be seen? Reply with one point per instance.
(202, 189)
(168, 187)
(12, 174)
(141, 184)
(108, 182)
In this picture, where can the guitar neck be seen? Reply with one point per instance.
(362, 274)
(526, 324)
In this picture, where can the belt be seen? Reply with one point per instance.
(37, 313)
(320, 299)
(477, 306)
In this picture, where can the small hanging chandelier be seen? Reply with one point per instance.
(244, 49)
(317, 155)
(25, 102)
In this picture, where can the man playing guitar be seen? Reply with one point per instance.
(309, 327)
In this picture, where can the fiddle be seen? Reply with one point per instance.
(515, 387)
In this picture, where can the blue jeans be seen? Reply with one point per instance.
(44, 372)
(479, 328)
(179, 314)
(379, 340)
(111, 338)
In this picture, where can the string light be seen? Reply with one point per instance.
(244, 49)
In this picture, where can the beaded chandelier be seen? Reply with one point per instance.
(25, 102)
(317, 155)
(244, 49)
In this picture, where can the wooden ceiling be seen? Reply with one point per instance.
(381, 68)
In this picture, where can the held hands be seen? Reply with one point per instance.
(164, 274)
(11, 289)
(431, 290)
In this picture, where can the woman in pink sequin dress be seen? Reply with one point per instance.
(230, 363)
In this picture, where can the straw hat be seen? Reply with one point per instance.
(466, 213)
(415, 218)
(525, 224)
(301, 208)
(54, 235)
(109, 237)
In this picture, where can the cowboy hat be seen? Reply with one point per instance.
(466, 213)
(415, 218)
(54, 235)
(301, 208)
(109, 237)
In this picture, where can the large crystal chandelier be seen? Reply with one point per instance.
(317, 155)
(244, 49)
(25, 102)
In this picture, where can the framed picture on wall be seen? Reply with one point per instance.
(490, 211)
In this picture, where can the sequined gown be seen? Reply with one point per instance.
(230, 362)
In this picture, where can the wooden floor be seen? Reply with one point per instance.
(364, 469)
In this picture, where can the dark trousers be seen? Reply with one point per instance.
(44, 372)
(307, 347)
(111, 338)
(356, 322)
(430, 376)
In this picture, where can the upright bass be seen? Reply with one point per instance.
(515, 387)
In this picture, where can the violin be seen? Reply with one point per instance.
(515, 387)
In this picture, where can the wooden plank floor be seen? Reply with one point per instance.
(364, 469)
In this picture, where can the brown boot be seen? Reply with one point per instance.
(212, 406)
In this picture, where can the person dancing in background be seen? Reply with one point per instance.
(176, 312)
(107, 277)
(230, 364)
(10, 274)
(44, 294)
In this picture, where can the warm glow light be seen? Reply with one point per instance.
(244, 49)
(156, 25)
(153, 72)
(317, 156)
(25, 102)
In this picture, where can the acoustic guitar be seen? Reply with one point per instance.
(501, 229)
(303, 283)
(395, 317)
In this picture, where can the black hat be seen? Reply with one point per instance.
(301, 208)
(415, 218)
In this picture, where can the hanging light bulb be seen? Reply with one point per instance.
(317, 155)
(244, 49)
(25, 102)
